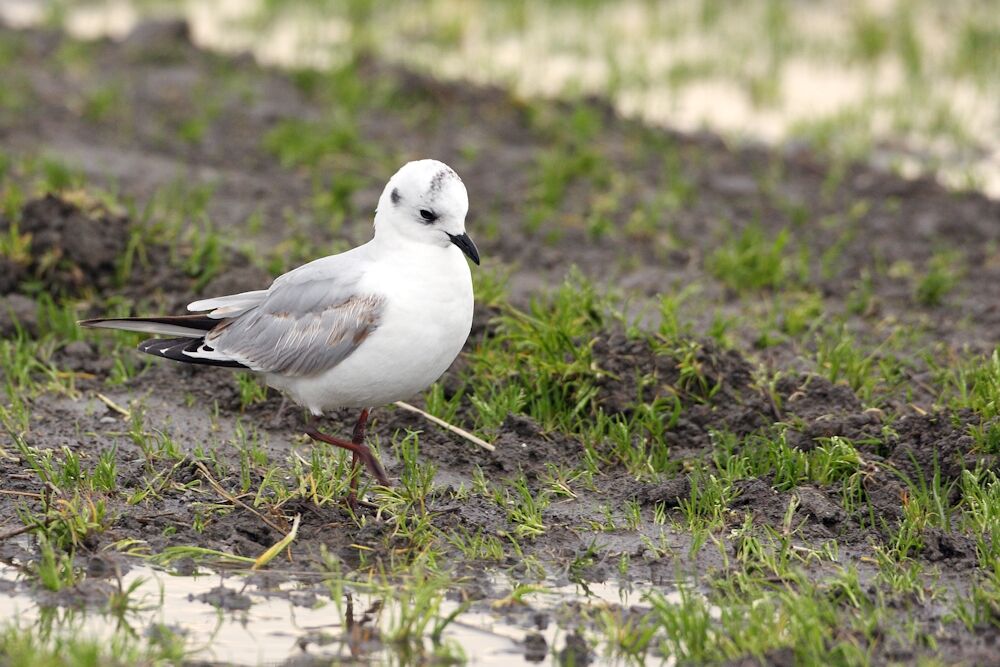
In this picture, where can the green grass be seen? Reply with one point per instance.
(54, 570)
(972, 383)
(28, 647)
(752, 261)
(933, 288)
(304, 143)
(99, 104)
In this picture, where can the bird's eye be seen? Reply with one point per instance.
(429, 216)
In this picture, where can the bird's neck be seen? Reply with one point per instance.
(388, 243)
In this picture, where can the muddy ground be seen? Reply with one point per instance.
(885, 231)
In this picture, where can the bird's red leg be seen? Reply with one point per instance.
(358, 438)
(361, 428)
(359, 450)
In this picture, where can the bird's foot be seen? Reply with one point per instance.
(360, 452)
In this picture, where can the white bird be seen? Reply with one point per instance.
(370, 326)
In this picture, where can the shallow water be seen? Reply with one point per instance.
(269, 623)
(684, 65)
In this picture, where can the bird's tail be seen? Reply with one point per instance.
(194, 326)
(188, 344)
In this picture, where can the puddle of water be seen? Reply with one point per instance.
(268, 632)
(645, 59)
(272, 628)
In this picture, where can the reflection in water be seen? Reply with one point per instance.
(257, 618)
(900, 82)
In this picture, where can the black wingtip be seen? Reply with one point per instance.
(175, 349)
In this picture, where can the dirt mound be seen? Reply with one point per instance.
(633, 370)
(936, 444)
(522, 446)
(813, 397)
(714, 386)
(72, 248)
(817, 408)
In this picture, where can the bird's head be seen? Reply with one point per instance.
(426, 202)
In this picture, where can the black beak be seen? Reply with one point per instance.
(467, 246)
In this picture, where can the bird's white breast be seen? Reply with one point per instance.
(426, 320)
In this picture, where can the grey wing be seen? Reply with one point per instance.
(301, 328)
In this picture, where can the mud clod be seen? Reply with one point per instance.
(815, 505)
(82, 246)
(536, 649)
(100, 567)
(940, 545)
(227, 599)
(671, 493)
(758, 497)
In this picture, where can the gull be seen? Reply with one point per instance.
(370, 326)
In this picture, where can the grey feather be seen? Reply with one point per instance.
(311, 319)
(232, 305)
(145, 326)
